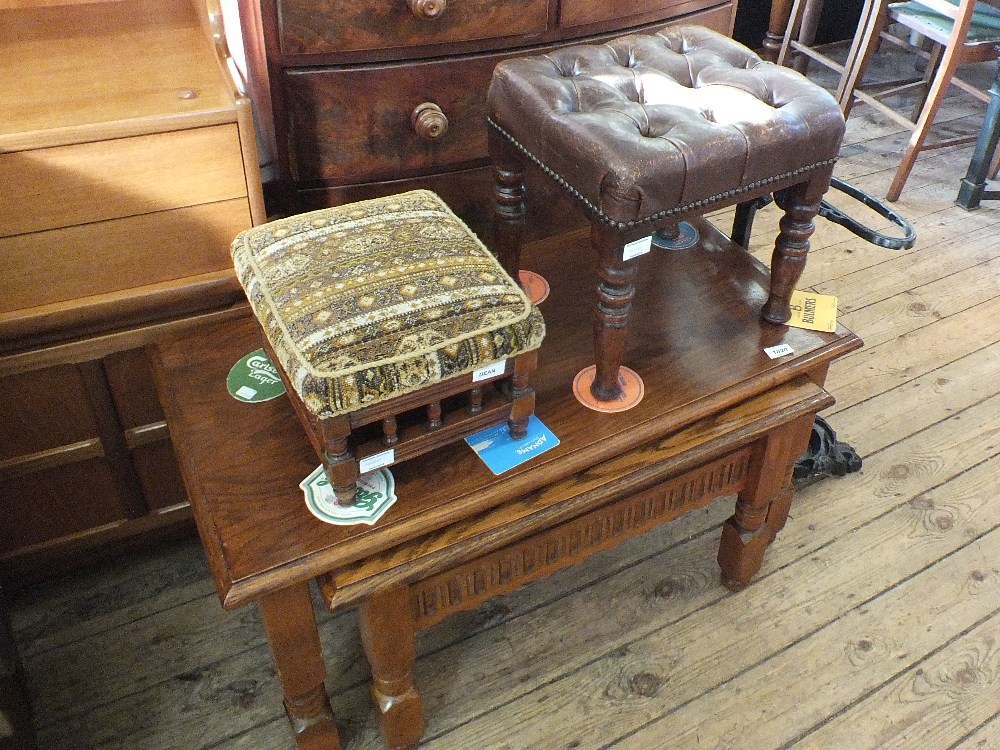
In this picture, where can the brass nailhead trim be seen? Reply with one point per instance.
(619, 226)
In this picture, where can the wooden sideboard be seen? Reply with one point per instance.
(128, 163)
(358, 98)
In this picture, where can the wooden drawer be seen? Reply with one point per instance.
(583, 12)
(469, 194)
(328, 26)
(87, 182)
(336, 140)
(91, 259)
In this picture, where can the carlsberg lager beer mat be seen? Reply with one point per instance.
(254, 379)
(376, 494)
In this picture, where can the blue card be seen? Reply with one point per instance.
(500, 453)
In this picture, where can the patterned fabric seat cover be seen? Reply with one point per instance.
(368, 301)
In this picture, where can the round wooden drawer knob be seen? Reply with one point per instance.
(429, 121)
(427, 8)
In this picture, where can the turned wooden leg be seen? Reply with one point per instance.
(508, 202)
(387, 632)
(291, 630)
(522, 395)
(780, 12)
(615, 291)
(762, 508)
(800, 204)
(339, 460)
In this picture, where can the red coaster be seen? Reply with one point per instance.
(632, 390)
(534, 285)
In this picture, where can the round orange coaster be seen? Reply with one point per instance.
(632, 390)
(534, 285)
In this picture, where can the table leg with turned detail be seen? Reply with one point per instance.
(290, 624)
(762, 508)
(388, 634)
(781, 10)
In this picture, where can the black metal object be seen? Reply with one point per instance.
(972, 188)
(834, 214)
(827, 456)
(743, 220)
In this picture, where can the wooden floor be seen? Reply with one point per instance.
(875, 622)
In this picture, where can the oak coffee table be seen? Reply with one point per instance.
(719, 417)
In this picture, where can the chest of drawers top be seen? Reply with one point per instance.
(93, 71)
(305, 32)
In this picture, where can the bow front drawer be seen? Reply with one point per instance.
(311, 27)
(417, 118)
(583, 12)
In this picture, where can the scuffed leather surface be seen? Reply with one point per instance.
(648, 123)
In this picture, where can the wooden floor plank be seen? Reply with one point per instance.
(647, 676)
(93, 601)
(884, 419)
(934, 704)
(864, 648)
(970, 253)
(983, 738)
(876, 369)
(629, 614)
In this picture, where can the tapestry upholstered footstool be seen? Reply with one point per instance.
(394, 329)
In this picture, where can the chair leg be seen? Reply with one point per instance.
(933, 66)
(508, 202)
(777, 23)
(801, 29)
(866, 41)
(939, 87)
(970, 191)
(807, 32)
(339, 460)
(522, 395)
(792, 31)
(800, 204)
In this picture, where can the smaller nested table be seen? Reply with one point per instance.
(719, 418)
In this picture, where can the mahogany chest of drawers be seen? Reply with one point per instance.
(358, 98)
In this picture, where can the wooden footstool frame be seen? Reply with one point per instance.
(569, 114)
(394, 330)
(418, 422)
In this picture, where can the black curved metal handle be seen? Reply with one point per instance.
(834, 214)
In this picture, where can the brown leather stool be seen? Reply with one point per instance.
(646, 130)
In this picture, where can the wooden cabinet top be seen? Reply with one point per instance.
(82, 72)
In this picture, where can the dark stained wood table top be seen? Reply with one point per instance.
(695, 338)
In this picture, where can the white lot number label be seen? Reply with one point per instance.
(376, 461)
(637, 247)
(778, 351)
(490, 371)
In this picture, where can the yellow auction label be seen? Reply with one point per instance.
(817, 312)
